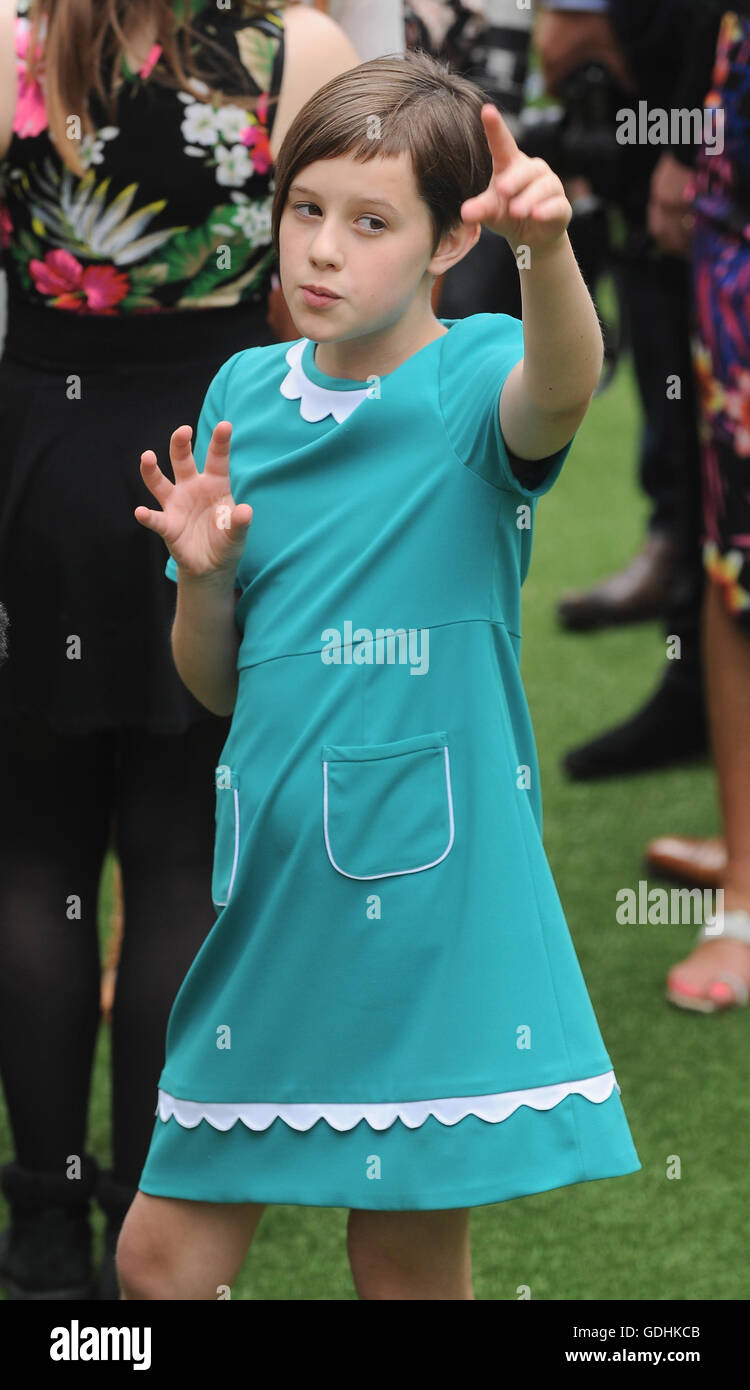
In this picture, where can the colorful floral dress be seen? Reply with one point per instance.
(127, 290)
(721, 348)
(187, 233)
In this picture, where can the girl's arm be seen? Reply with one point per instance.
(205, 639)
(205, 532)
(546, 395)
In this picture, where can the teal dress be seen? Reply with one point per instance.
(388, 1012)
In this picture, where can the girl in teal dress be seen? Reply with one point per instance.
(388, 1013)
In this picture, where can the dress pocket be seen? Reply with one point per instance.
(387, 807)
(227, 842)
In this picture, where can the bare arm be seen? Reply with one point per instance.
(206, 640)
(546, 395)
(8, 81)
(205, 533)
(316, 49)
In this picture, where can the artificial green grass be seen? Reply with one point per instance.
(683, 1076)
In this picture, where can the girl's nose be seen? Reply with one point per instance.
(325, 247)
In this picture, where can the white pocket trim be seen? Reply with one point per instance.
(392, 873)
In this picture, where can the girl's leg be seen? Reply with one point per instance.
(55, 823)
(174, 1249)
(410, 1254)
(168, 1248)
(727, 663)
(164, 831)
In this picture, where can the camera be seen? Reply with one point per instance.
(578, 136)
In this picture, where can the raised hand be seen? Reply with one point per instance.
(199, 522)
(525, 200)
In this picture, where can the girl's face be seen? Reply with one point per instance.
(363, 232)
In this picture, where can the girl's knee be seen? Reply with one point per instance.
(170, 1248)
(409, 1235)
(140, 1268)
(142, 1256)
(410, 1255)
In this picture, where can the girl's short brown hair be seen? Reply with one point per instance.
(387, 106)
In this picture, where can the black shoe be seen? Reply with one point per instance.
(114, 1198)
(45, 1253)
(670, 728)
(635, 594)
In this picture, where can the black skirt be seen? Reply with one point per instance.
(89, 606)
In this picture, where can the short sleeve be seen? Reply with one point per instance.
(477, 355)
(212, 411)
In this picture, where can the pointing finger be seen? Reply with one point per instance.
(502, 145)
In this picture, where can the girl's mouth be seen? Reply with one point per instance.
(318, 300)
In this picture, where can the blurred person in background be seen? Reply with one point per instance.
(374, 28)
(596, 57)
(650, 51)
(716, 974)
(488, 42)
(139, 258)
(697, 213)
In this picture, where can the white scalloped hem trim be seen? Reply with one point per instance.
(255, 1115)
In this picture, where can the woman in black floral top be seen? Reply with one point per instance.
(135, 267)
(113, 242)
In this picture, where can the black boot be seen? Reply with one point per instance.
(114, 1198)
(669, 729)
(45, 1253)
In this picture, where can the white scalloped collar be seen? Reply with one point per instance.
(315, 401)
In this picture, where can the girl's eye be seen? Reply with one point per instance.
(367, 216)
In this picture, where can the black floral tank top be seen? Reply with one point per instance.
(174, 210)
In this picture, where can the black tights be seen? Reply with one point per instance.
(60, 797)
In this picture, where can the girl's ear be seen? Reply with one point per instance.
(454, 245)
